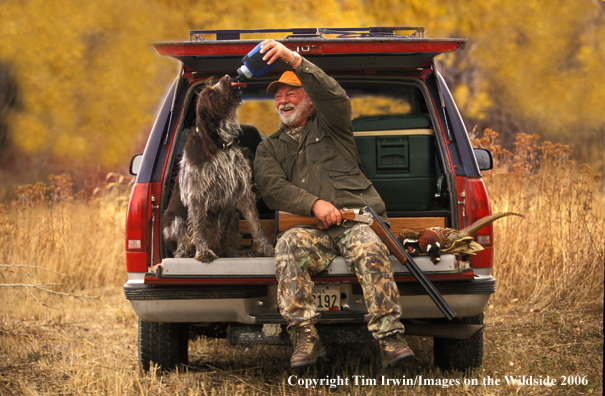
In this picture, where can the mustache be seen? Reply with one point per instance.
(287, 106)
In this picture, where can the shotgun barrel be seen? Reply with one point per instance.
(404, 257)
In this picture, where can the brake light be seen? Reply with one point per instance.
(478, 206)
(136, 229)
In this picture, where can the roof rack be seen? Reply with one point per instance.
(381, 31)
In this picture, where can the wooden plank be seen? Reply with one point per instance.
(268, 225)
(397, 132)
(397, 224)
(414, 223)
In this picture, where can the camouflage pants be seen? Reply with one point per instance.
(303, 252)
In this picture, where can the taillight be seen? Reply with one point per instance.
(478, 206)
(136, 229)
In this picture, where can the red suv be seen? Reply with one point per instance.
(413, 147)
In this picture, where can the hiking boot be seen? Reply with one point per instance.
(394, 350)
(307, 347)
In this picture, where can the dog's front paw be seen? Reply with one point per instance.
(267, 250)
(205, 256)
(184, 253)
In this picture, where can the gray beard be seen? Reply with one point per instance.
(299, 110)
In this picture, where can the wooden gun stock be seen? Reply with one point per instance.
(288, 220)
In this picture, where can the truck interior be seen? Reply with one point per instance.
(394, 119)
(395, 138)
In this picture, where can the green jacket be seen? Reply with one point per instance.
(291, 176)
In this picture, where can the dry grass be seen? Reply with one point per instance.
(546, 318)
(554, 256)
(81, 239)
(88, 347)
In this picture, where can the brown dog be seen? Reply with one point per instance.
(213, 183)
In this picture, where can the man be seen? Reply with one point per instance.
(310, 166)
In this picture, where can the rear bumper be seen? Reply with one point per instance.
(257, 304)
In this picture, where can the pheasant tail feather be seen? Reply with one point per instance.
(479, 224)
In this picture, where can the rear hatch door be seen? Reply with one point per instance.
(333, 50)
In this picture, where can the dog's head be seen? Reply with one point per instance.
(216, 121)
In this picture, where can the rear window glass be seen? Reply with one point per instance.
(374, 105)
(366, 100)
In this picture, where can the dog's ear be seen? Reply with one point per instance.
(208, 144)
(203, 123)
(210, 81)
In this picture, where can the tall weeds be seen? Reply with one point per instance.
(80, 239)
(554, 256)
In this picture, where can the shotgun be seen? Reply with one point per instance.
(288, 220)
(369, 216)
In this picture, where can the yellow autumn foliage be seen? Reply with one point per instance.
(87, 78)
(89, 82)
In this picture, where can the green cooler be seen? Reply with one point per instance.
(398, 155)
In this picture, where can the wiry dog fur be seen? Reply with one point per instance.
(213, 183)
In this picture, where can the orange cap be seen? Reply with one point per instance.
(288, 78)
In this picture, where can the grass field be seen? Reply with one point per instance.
(66, 328)
(88, 347)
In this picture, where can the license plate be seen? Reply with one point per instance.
(327, 297)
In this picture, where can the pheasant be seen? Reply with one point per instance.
(436, 240)
(409, 240)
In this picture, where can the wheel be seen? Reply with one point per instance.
(460, 355)
(165, 344)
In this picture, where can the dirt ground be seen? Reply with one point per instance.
(67, 346)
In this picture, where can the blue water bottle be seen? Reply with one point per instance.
(254, 65)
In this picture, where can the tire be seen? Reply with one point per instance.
(460, 355)
(165, 344)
